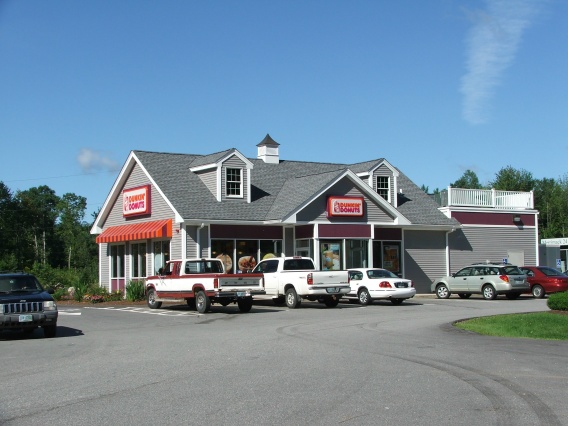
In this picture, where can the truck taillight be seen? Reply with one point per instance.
(216, 283)
(385, 284)
(310, 279)
(504, 278)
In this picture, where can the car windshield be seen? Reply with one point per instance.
(380, 273)
(19, 284)
(551, 272)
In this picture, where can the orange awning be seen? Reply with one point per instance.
(136, 231)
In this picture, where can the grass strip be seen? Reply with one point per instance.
(537, 325)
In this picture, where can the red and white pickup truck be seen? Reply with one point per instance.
(201, 283)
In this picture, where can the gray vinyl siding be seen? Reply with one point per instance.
(385, 172)
(424, 257)
(209, 178)
(478, 244)
(191, 242)
(204, 239)
(160, 211)
(289, 242)
(104, 262)
(234, 162)
(316, 211)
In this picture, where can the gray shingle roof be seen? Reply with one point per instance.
(277, 189)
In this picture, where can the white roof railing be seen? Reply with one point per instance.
(491, 198)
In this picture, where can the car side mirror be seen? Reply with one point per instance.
(50, 290)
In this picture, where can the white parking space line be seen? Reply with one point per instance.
(148, 311)
(69, 312)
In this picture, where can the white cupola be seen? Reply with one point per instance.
(268, 150)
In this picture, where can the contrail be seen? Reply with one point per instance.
(492, 43)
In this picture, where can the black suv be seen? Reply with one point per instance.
(26, 305)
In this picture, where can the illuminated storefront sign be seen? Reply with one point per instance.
(136, 201)
(345, 206)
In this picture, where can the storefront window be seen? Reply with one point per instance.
(224, 250)
(270, 248)
(242, 255)
(247, 252)
(391, 257)
(356, 253)
(117, 261)
(304, 248)
(331, 255)
(386, 254)
(138, 260)
(161, 254)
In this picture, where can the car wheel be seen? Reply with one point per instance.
(245, 305)
(489, 292)
(292, 300)
(202, 302)
(512, 296)
(442, 291)
(537, 291)
(151, 299)
(464, 295)
(49, 331)
(397, 301)
(364, 297)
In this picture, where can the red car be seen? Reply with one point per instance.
(544, 279)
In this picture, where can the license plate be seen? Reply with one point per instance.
(241, 293)
(332, 290)
(401, 285)
(26, 318)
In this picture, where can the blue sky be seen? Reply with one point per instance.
(436, 86)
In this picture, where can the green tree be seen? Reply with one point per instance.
(35, 226)
(469, 180)
(70, 227)
(510, 179)
(7, 232)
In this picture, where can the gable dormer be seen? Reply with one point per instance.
(225, 174)
(384, 181)
(382, 177)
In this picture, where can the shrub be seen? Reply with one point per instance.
(60, 293)
(81, 289)
(558, 301)
(115, 296)
(135, 291)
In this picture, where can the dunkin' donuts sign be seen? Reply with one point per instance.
(344, 206)
(136, 201)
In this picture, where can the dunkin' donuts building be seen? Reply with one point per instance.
(166, 206)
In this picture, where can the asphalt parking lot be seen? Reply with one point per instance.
(351, 365)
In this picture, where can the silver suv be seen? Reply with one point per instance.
(487, 279)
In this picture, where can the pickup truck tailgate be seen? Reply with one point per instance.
(242, 281)
(330, 279)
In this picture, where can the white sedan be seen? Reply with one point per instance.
(368, 284)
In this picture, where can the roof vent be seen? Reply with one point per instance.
(268, 150)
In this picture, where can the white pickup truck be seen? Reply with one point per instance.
(291, 279)
(201, 283)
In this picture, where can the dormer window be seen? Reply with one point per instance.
(234, 182)
(383, 187)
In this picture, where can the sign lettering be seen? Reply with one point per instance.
(136, 201)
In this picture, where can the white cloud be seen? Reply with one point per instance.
(91, 161)
(492, 44)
